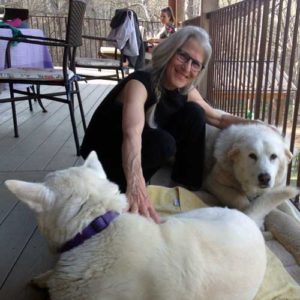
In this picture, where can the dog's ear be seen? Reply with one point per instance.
(36, 195)
(234, 151)
(288, 154)
(92, 162)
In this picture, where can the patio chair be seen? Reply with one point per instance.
(122, 48)
(64, 77)
(109, 57)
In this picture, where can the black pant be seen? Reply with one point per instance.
(183, 137)
(187, 126)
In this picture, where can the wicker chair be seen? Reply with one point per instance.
(65, 77)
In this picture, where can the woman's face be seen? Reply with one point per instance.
(164, 18)
(178, 73)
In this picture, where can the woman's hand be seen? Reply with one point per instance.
(135, 95)
(139, 202)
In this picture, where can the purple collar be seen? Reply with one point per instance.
(96, 226)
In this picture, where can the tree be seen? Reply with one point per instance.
(193, 9)
(95, 8)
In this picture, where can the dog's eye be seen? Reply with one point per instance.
(273, 156)
(253, 156)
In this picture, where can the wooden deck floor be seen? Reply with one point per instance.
(45, 144)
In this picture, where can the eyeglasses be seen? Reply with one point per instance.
(184, 57)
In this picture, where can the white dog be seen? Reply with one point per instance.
(250, 160)
(109, 254)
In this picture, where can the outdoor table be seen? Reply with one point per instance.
(24, 54)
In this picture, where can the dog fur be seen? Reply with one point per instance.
(250, 161)
(209, 253)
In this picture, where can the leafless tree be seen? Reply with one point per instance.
(223, 3)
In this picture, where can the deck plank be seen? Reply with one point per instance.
(23, 112)
(56, 123)
(64, 158)
(17, 224)
(15, 232)
(27, 131)
(42, 155)
(34, 260)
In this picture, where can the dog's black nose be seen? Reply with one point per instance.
(264, 179)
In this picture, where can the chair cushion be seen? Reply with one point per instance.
(109, 50)
(34, 74)
(97, 62)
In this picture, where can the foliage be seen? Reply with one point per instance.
(146, 9)
(223, 3)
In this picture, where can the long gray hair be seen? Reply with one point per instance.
(163, 53)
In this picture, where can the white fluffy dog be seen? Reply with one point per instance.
(109, 254)
(250, 160)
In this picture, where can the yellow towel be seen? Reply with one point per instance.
(277, 284)
(168, 201)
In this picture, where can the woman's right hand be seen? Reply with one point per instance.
(139, 202)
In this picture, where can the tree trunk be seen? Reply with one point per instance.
(180, 9)
(190, 9)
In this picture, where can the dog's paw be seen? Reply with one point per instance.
(283, 193)
(41, 280)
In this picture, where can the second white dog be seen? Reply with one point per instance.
(250, 160)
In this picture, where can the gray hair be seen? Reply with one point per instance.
(163, 53)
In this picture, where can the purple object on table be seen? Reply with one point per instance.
(14, 22)
(26, 55)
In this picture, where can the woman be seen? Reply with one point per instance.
(154, 115)
(167, 19)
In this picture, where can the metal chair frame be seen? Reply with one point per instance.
(69, 45)
(102, 62)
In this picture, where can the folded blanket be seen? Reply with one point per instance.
(277, 284)
(286, 229)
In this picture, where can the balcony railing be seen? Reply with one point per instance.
(55, 27)
(254, 70)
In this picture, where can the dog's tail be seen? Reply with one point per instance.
(262, 205)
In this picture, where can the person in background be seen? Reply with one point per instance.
(168, 20)
(156, 114)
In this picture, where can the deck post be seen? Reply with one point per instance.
(206, 7)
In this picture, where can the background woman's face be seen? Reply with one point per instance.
(164, 18)
(179, 74)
